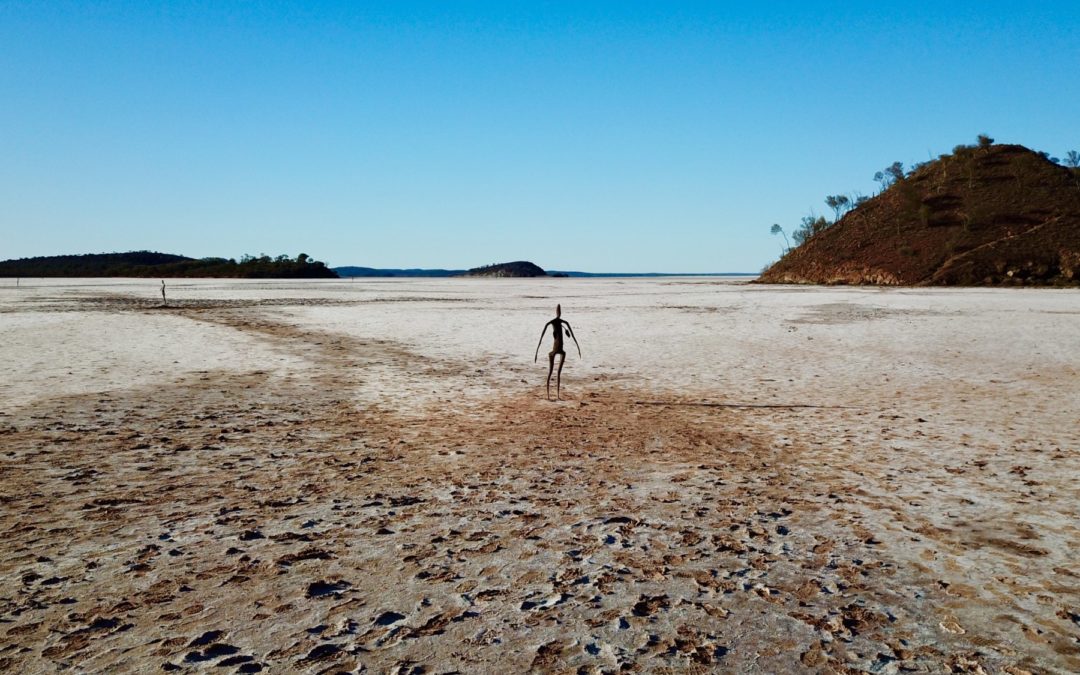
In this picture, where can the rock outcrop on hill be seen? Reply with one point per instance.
(998, 214)
(519, 268)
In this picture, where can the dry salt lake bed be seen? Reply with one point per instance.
(365, 476)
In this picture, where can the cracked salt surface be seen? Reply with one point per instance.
(301, 476)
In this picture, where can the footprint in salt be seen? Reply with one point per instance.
(648, 605)
(320, 589)
(323, 651)
(549, 601)
(388, 618)
(214, 651)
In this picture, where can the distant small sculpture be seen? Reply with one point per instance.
(164, 302)
(557, 348)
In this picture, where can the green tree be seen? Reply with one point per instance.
(889, 175)
(984, 141)
(810, 226)
(1072, 160)
(776, 229)
(879, 177)
(838, 203)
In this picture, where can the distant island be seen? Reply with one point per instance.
(985, 214)
(350, 271)
(517, 269)
(353, 271)
(166, 265)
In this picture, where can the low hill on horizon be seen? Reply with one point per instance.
(520, 268)
(983, 215)
(350, 271)
(516, 269)
(354, 271)
(165, 265)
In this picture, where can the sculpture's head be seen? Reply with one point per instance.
(558, 311)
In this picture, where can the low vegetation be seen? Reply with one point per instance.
(152, 264)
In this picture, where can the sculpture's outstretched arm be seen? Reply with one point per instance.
(571, 331)
(537, 355)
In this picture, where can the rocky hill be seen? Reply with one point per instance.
(994, 214)
(519, 268)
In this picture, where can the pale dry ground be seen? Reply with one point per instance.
(348, 475)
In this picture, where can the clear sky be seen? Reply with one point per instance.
(616, 136)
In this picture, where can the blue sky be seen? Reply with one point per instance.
(615, 136)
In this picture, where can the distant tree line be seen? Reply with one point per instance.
(152, 264)
(895, 174)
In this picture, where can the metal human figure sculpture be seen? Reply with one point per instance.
(557, 348)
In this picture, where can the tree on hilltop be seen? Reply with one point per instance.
(838, 203)
(810, 226)
(889, 175)
(776, 229)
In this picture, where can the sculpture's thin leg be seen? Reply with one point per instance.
(551, 366)
(558, 378)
